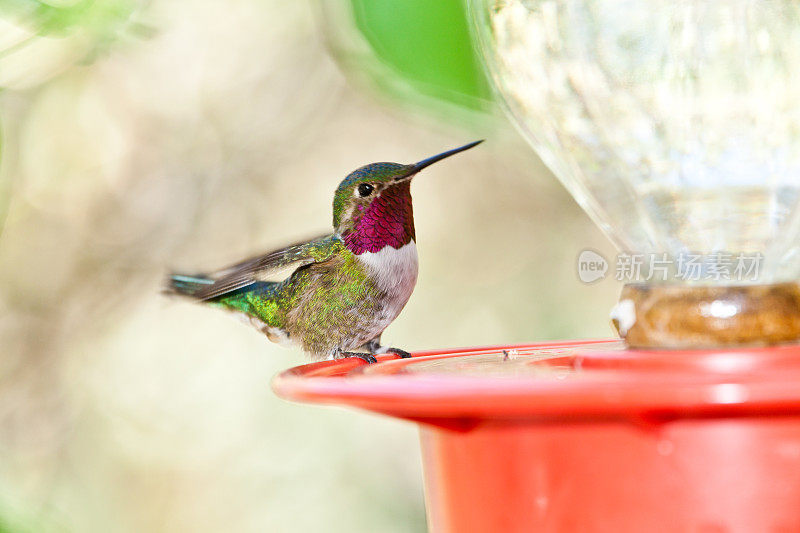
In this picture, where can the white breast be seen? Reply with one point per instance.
(395, 272)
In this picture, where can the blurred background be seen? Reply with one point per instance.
(140, 137)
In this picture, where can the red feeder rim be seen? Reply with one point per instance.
(589, 378)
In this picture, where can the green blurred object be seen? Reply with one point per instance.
(425, 44)
(102, 18)
(40, 39)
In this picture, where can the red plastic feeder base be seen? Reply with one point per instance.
(588, 436)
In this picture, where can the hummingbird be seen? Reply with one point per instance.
(346, 286)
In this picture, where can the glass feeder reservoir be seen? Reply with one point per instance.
(676, 126)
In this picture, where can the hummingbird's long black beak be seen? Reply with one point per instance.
(416, 167)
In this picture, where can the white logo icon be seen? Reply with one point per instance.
(591, 266)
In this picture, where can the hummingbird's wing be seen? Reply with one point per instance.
(259, 268)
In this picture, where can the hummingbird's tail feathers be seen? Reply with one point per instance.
(184, 285)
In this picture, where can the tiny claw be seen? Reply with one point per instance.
(368, 358)
(397, 351)
(364, 357)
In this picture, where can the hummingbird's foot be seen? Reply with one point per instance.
(374, 346)
(369, 358)
(402, 353)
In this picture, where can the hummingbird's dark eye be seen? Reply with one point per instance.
(365, 189)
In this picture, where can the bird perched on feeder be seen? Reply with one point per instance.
(347, 287)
